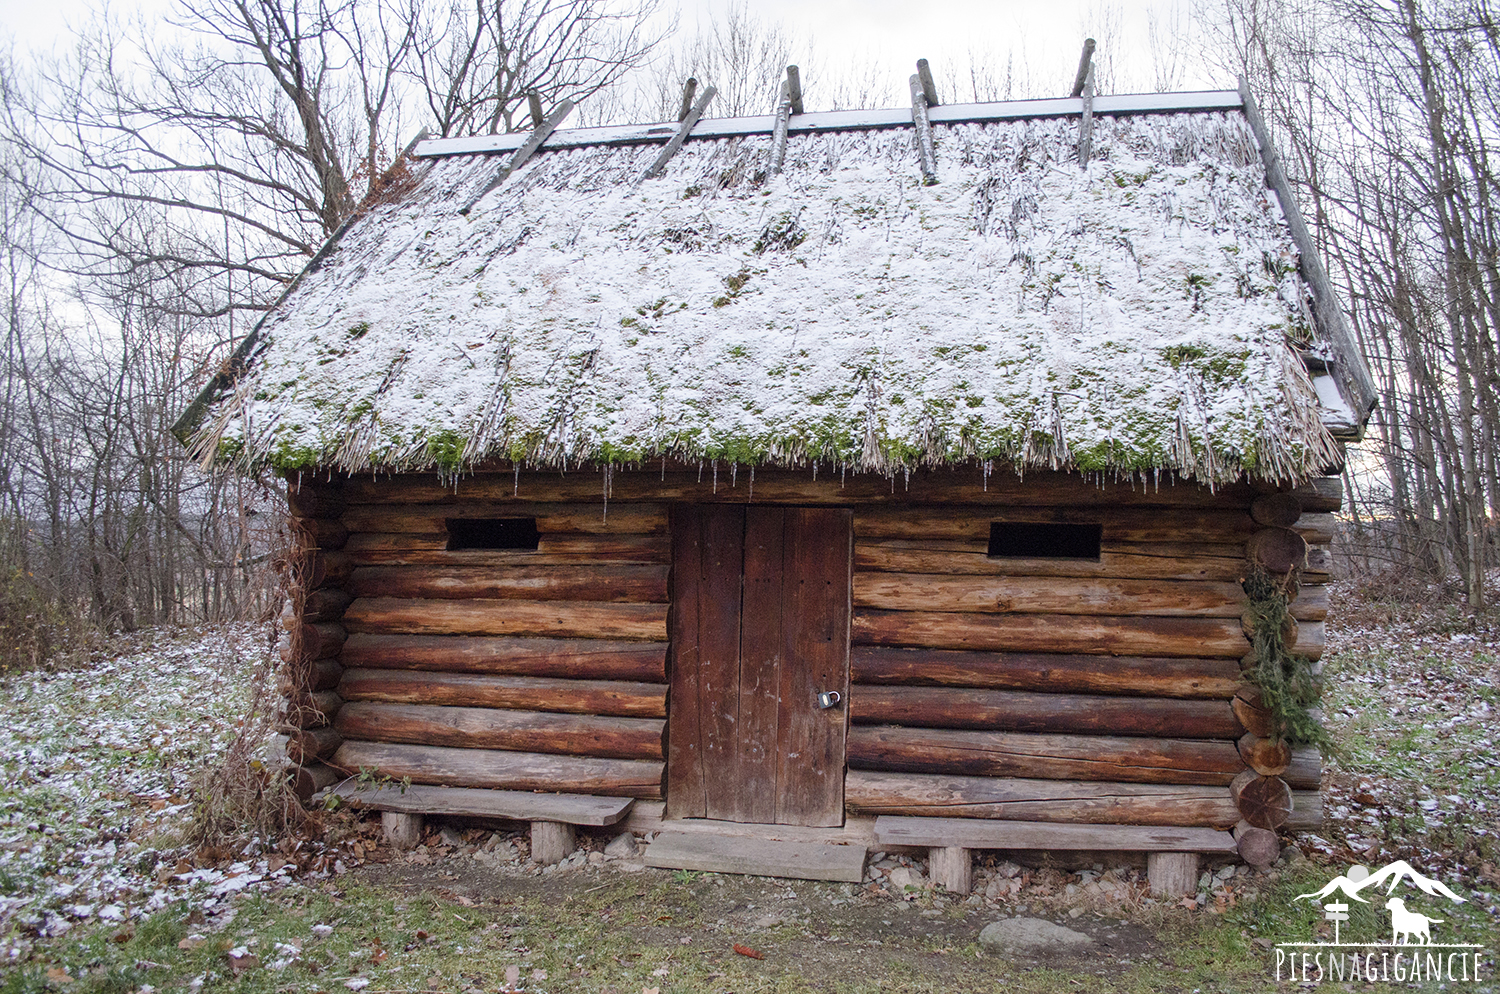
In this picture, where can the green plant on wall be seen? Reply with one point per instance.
(1288, 686)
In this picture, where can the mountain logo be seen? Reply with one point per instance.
(1358, 878)
(1411, 954)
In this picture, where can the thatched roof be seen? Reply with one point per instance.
(1144, 312)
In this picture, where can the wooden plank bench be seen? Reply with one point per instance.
(552, 816)
(1171, 861)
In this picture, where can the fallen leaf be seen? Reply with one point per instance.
(538, 974)
(275, 863)
(512, 976)
(650, 990)
(123, 937)
(190, 943)
(660, 971)
(747, 951)
(239, 964)
(58, 976)
(466, 902)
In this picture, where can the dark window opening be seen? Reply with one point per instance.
(1044, 540)
(492, 533)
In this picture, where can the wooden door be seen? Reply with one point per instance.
(759, 627)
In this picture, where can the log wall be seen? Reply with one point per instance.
(1041, 689)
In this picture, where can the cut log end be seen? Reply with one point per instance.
(1268, 757)
(1276, 510)
(1257, 846)
(1279, 550)
(1264, 802)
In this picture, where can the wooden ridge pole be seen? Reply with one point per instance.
(929, 88)
(1086, 124)
(688, 89)
(794, 88)
(1085, 61)
(923, 125)
(778, 134)
(683, 130)
(533, 142)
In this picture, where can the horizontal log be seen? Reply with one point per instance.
(568, 619)
(1306, 769)
(1046, 757)
(514, 805)
(967, 485)
(1047, 595)
(309, 745)
(363, 542)
(502, 770)
(1321, 493)
(319, 533)
(1279, 510)
(327, 604)
(974, 833)
(312, 710)
(592, 518)
(1119, 524)
(323, 640)
(1311, 603)
(306, 781)
(1013, 799)
(585, 659)
(326, 569)
(1265, 802)
(494, 728)
(604, 697)
(313, 500)
(625, 584)
(1050, 633)
(552, 550)
(1319, 568)
(1152, 676)
(1115, 562)
(1277, 549)
(1268, 757)
(1307, 812)
(1312, 639)
(321, 674)
(1316, 529)
(1023, 711)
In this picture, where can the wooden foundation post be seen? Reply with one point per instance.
(551, 842)
(401, 830)
(1172, 874)
(951, 868)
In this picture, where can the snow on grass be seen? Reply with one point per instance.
(96, 766)
(1412, 699)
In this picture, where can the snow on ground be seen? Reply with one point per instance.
(1412, 700)
(95, 772)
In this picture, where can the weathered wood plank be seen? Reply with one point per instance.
(504, 770)
(1049, 633)
(1048, 595)
(761, 857)
(497, 728)
(1046, 757)
(571, 809)
(568, 619)
(815, 606)
(603, 697)
(1152, 676)
(958, 486)
(1311, 603)
(1120, 524)
(1024, 711)
(584, 659)
(589, 518)
(620, 584)
(552, 550)
(752, 794)
(974, 833)
(1119, 561)
(1015, 799)
(646, 817)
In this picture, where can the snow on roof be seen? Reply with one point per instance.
(1139, 314)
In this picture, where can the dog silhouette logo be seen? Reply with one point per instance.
(1409, 926)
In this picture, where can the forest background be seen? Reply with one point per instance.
(165, 175)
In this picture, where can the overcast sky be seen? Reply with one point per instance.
(1045, 36)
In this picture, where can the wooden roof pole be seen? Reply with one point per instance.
(778, 133)
(794, 88)
(923, 124)
(683, 129)
(1085, 62)
(688, 89)
(1086, 123)
(533, 142)
(929, 88)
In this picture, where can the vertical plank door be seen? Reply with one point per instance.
(760, 627)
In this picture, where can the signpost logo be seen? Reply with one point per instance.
(1414, 952)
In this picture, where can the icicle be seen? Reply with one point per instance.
(664, 468)
(516, 491)
(734, 474)
(716, 476)
(752, 482)
(608, 470)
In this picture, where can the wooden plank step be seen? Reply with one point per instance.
(858, 830)
(978, 833)
(760, 857)
(519, 805)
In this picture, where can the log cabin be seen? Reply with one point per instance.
(798, 485)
